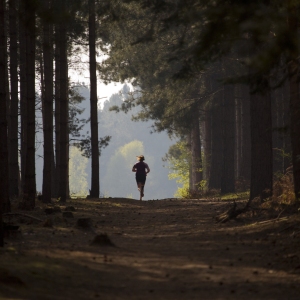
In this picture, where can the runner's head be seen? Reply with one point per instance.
(140, 158)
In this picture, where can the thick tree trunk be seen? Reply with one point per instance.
(293, 69)
(13, 139)
(4, 183)
(48, 109)
(95, 188)
(261, 145)
(30, 183)
(64, 112)
(281, 130)
(295, 124)
(228, 125)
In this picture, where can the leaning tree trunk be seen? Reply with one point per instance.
(30, 183)
(95, 188)
(228, 125)
(261, 145)
(13, 143)
(64, 111)
(4, 183)
(48, 109)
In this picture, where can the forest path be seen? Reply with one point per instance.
(167, 249)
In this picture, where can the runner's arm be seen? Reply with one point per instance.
(133, 169)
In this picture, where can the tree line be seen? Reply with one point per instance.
(222, 76)
(39, 41)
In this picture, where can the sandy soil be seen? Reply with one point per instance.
(166, 249)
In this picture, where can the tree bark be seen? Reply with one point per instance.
(261, 144)
(286, 136)
(245, 171)
(228, 122)
(196, 152)
(57, 112)
(281, 130)
(4, 183)
(95, 185)
(216, 142)
(23, 94)
(30, 183)
(14, 101)
(207, 143)
(238, 130)
(64, 111)
(48, 108)
(293, 70)
(189, 149)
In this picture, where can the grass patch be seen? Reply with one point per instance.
(235, 196)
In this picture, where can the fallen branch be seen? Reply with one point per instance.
(232, 213)
(23, 215)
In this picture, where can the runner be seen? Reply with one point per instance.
(141, 170)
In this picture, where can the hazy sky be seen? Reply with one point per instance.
(80, 73)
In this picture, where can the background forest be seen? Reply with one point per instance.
(221, 78)
(128, 139)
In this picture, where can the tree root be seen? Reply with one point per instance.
(22, 215)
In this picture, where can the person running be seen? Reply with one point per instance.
(141, 170)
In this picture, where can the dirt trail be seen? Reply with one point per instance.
(167, 249)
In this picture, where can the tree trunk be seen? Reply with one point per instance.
(238, 130)
(64, 111)
(95, 188)
(295, 124)
(216, 142)
(57, 112)
(293, 70)
(261, 145)
(286, 136)
(48, 109)
(4, 183)
(245, 171)
(228, 124)
(189, 149)
(30, 183)
(23, 94)
(196, 152)
(207, 143)
(13, 144)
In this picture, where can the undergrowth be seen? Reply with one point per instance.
(282, 202)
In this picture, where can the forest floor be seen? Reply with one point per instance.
(168, 249)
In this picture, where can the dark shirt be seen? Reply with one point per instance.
(141, 168)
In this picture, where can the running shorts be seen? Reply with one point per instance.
(140, 178)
